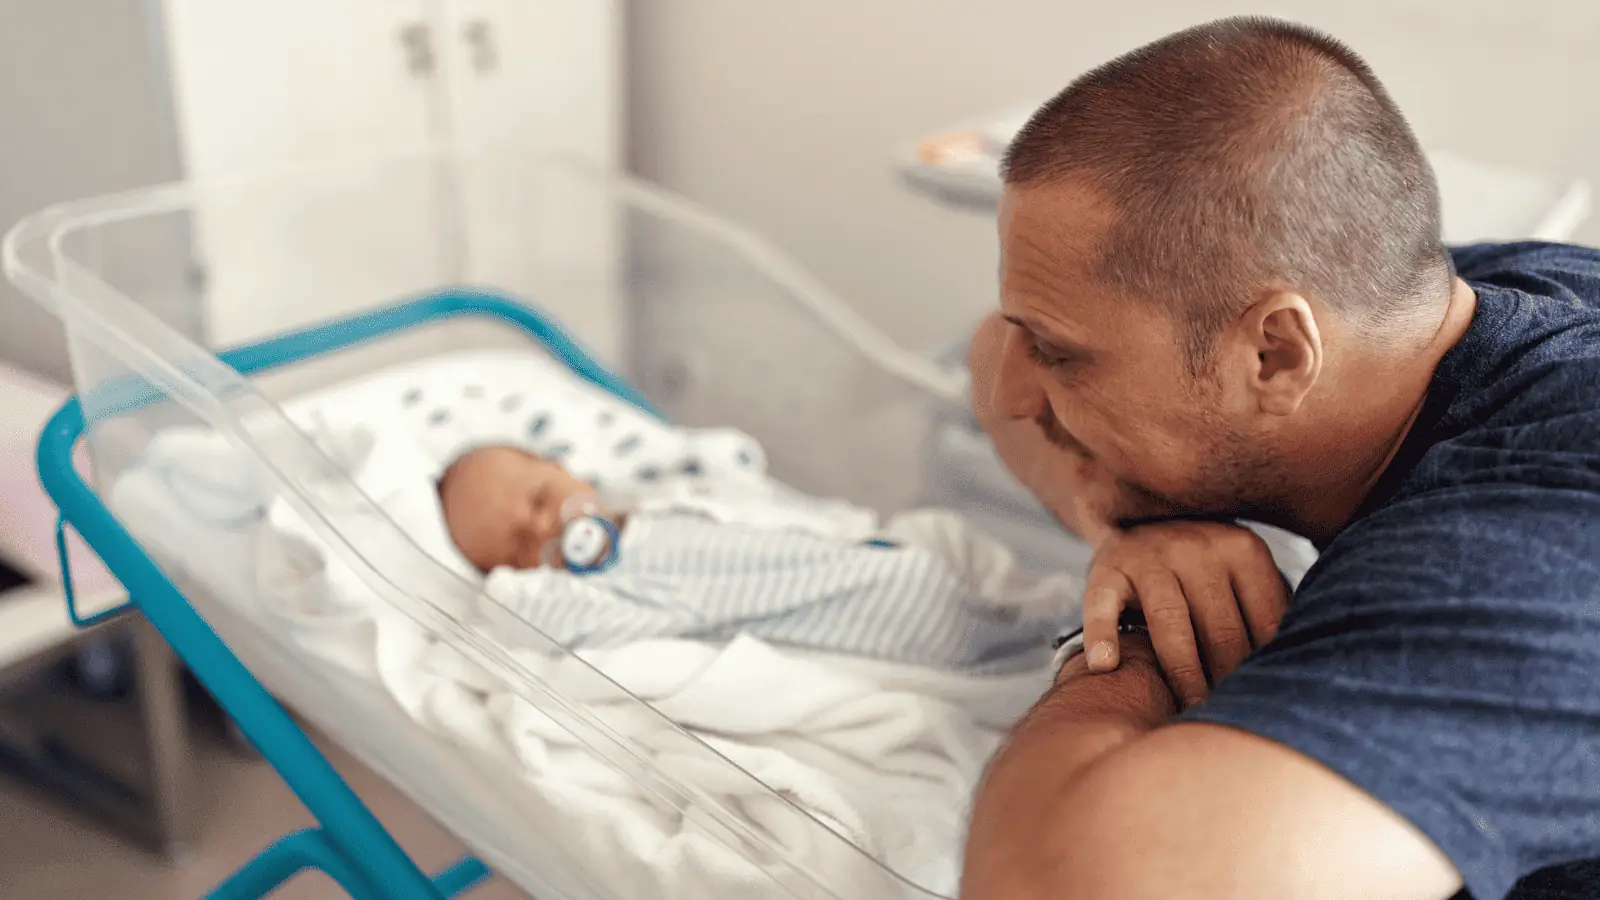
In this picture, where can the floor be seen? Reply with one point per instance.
(51, 852)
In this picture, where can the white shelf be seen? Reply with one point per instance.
(960, 167)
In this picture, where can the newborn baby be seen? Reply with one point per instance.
(710, 561)
(502, 506)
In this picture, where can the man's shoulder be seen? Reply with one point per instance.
(1505, 487)
(1531, 361)
(1509, 435)
(1537, 265)
(1533, 428)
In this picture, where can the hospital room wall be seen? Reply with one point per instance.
(60, 111)
(785, 119)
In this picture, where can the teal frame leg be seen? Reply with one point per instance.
(350, 845)
(310, 849)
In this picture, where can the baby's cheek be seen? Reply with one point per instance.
(476, 540)
(472, 547)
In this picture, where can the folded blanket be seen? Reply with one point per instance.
(836, 761)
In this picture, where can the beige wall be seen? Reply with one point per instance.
(783, 115)
(83, 111)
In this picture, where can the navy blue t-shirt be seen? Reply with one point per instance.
(1444, 652)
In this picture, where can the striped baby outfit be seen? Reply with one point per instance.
(680, 574)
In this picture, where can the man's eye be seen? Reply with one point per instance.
(1041, 358)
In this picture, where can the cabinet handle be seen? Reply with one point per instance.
(418, 43)
(480, 37)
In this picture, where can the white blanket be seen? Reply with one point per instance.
(835, 762)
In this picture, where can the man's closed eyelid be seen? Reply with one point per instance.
(1059, 353)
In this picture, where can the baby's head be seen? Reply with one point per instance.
(503, 504)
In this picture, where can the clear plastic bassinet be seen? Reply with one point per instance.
(708, 323)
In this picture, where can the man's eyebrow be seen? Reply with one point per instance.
(1043, 336)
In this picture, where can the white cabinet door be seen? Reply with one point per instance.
(532, 77)
(263, 86)
(540, 73)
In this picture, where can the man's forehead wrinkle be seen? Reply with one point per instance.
(1033, 289)
(1042, 320)
(1038, 249)
(1030, 263)
(1063, 228)
(1032, 305)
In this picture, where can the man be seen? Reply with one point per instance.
(1224, 296)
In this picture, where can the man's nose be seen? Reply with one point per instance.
(1017, 394)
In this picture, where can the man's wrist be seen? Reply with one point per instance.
(1135, 692)
(1082, 719)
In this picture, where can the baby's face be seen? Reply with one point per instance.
(502, 505)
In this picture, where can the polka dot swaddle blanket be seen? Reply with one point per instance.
(720, 545)
(536, 403)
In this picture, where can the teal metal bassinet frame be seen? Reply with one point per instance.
(348, 843)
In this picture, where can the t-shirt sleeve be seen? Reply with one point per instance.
(1444, 656)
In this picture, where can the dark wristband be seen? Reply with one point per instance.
(1070, 644)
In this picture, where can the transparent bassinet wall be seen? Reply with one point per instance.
(714, 328)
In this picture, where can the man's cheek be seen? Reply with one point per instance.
(1079, 415)
(1123, 461)
(1107, 434)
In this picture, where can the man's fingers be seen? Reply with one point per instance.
(1166, 612)
(1108, 592)
(1264, 597)
(1218, 621)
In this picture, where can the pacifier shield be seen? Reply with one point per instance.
(585, 542)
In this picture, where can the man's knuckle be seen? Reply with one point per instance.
(1213, 590)
(1106, 568)
(1173, 556)
(1227, 635)
(1167, 617)
(1248, 543)
(1185, 541)
(1100, 598)
(1112, 557)
(1224, 534)
(1140, 564)
(1186, 672)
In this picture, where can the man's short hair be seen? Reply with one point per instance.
(1241, 154)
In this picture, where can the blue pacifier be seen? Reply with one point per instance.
(589, 538)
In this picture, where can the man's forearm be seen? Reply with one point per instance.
(1083, 718)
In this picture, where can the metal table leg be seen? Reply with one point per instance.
(158, 809)
(166, 728)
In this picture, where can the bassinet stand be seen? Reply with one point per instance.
(348, 843)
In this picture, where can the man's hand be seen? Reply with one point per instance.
(1207, 590)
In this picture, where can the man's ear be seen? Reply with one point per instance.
(1280, 335)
